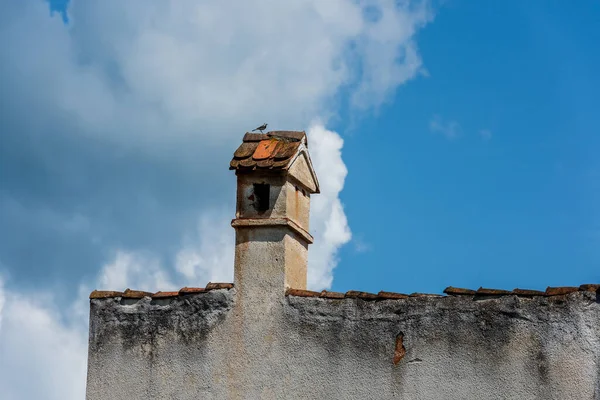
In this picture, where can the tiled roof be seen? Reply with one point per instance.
(137, 294)
(450, 291)
(271, 150)
(354, 294)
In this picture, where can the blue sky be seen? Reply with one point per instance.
(481, 170)
(517, 209)
(455, 143)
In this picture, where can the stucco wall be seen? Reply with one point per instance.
(220, 345)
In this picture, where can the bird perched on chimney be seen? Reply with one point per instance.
(261, 128)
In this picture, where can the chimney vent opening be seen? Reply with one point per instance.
(261, 196)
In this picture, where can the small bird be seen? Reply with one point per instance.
(261, 128)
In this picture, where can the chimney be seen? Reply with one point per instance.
(275, 179)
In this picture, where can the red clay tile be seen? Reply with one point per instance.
(218, 285)
(352, 293)
(254, 137)
(188, 290)
(268, 163)
(164, 295)
(105, 294)
(280, 164)
(459, 291)
(247, 163)
(286, 150)
(590, 287)
(265, 149)
(302, 293)
(528, 292)
(295, 135)
(135, 294)
(561, 290)
(360, 295)
(368, 296)
(492, 292)
(391, 295)
(332, 295)
(246, 149)
(424, 295)
(273, 150)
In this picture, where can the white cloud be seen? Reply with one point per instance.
(449, 129)
(207, 255)
(138, 105)
(328, 221)
(128, 268)
(360, 246)
(2, 300)
(44, 352)
(164, 90)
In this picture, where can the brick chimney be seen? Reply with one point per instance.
(275, 179)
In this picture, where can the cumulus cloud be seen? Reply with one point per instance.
(328, 221)
(207, 254)
(117, 130)
(134, 268)
(121, 123)
(2, 300)
(43, 349)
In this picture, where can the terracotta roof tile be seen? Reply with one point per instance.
(268, 163)
(280, 164)
(247, 163)
(332, 295)
(266, 149)
(459, 291)
(295, 135)
(391, 295)
(189, 290)
(254, 137)
(528, 292)
(164, 295)
(273, 150)
(135, 294)
(219, 285)
(287, 151)
(361, 295)
(557, 291)
(105, 294)
(138, 294)
(245, 150)
(589, 287)
(424, 295)
(492, 292)
(302, 293)
(382, 295)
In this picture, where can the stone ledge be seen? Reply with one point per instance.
(254, 222)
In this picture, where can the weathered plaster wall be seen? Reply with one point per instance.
(298, 204)
(219, 345)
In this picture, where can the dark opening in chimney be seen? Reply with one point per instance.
(261, 196)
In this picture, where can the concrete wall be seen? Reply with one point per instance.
(221, 345)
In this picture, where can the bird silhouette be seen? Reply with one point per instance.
(261, 128)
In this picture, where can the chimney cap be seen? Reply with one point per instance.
(275, 151)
